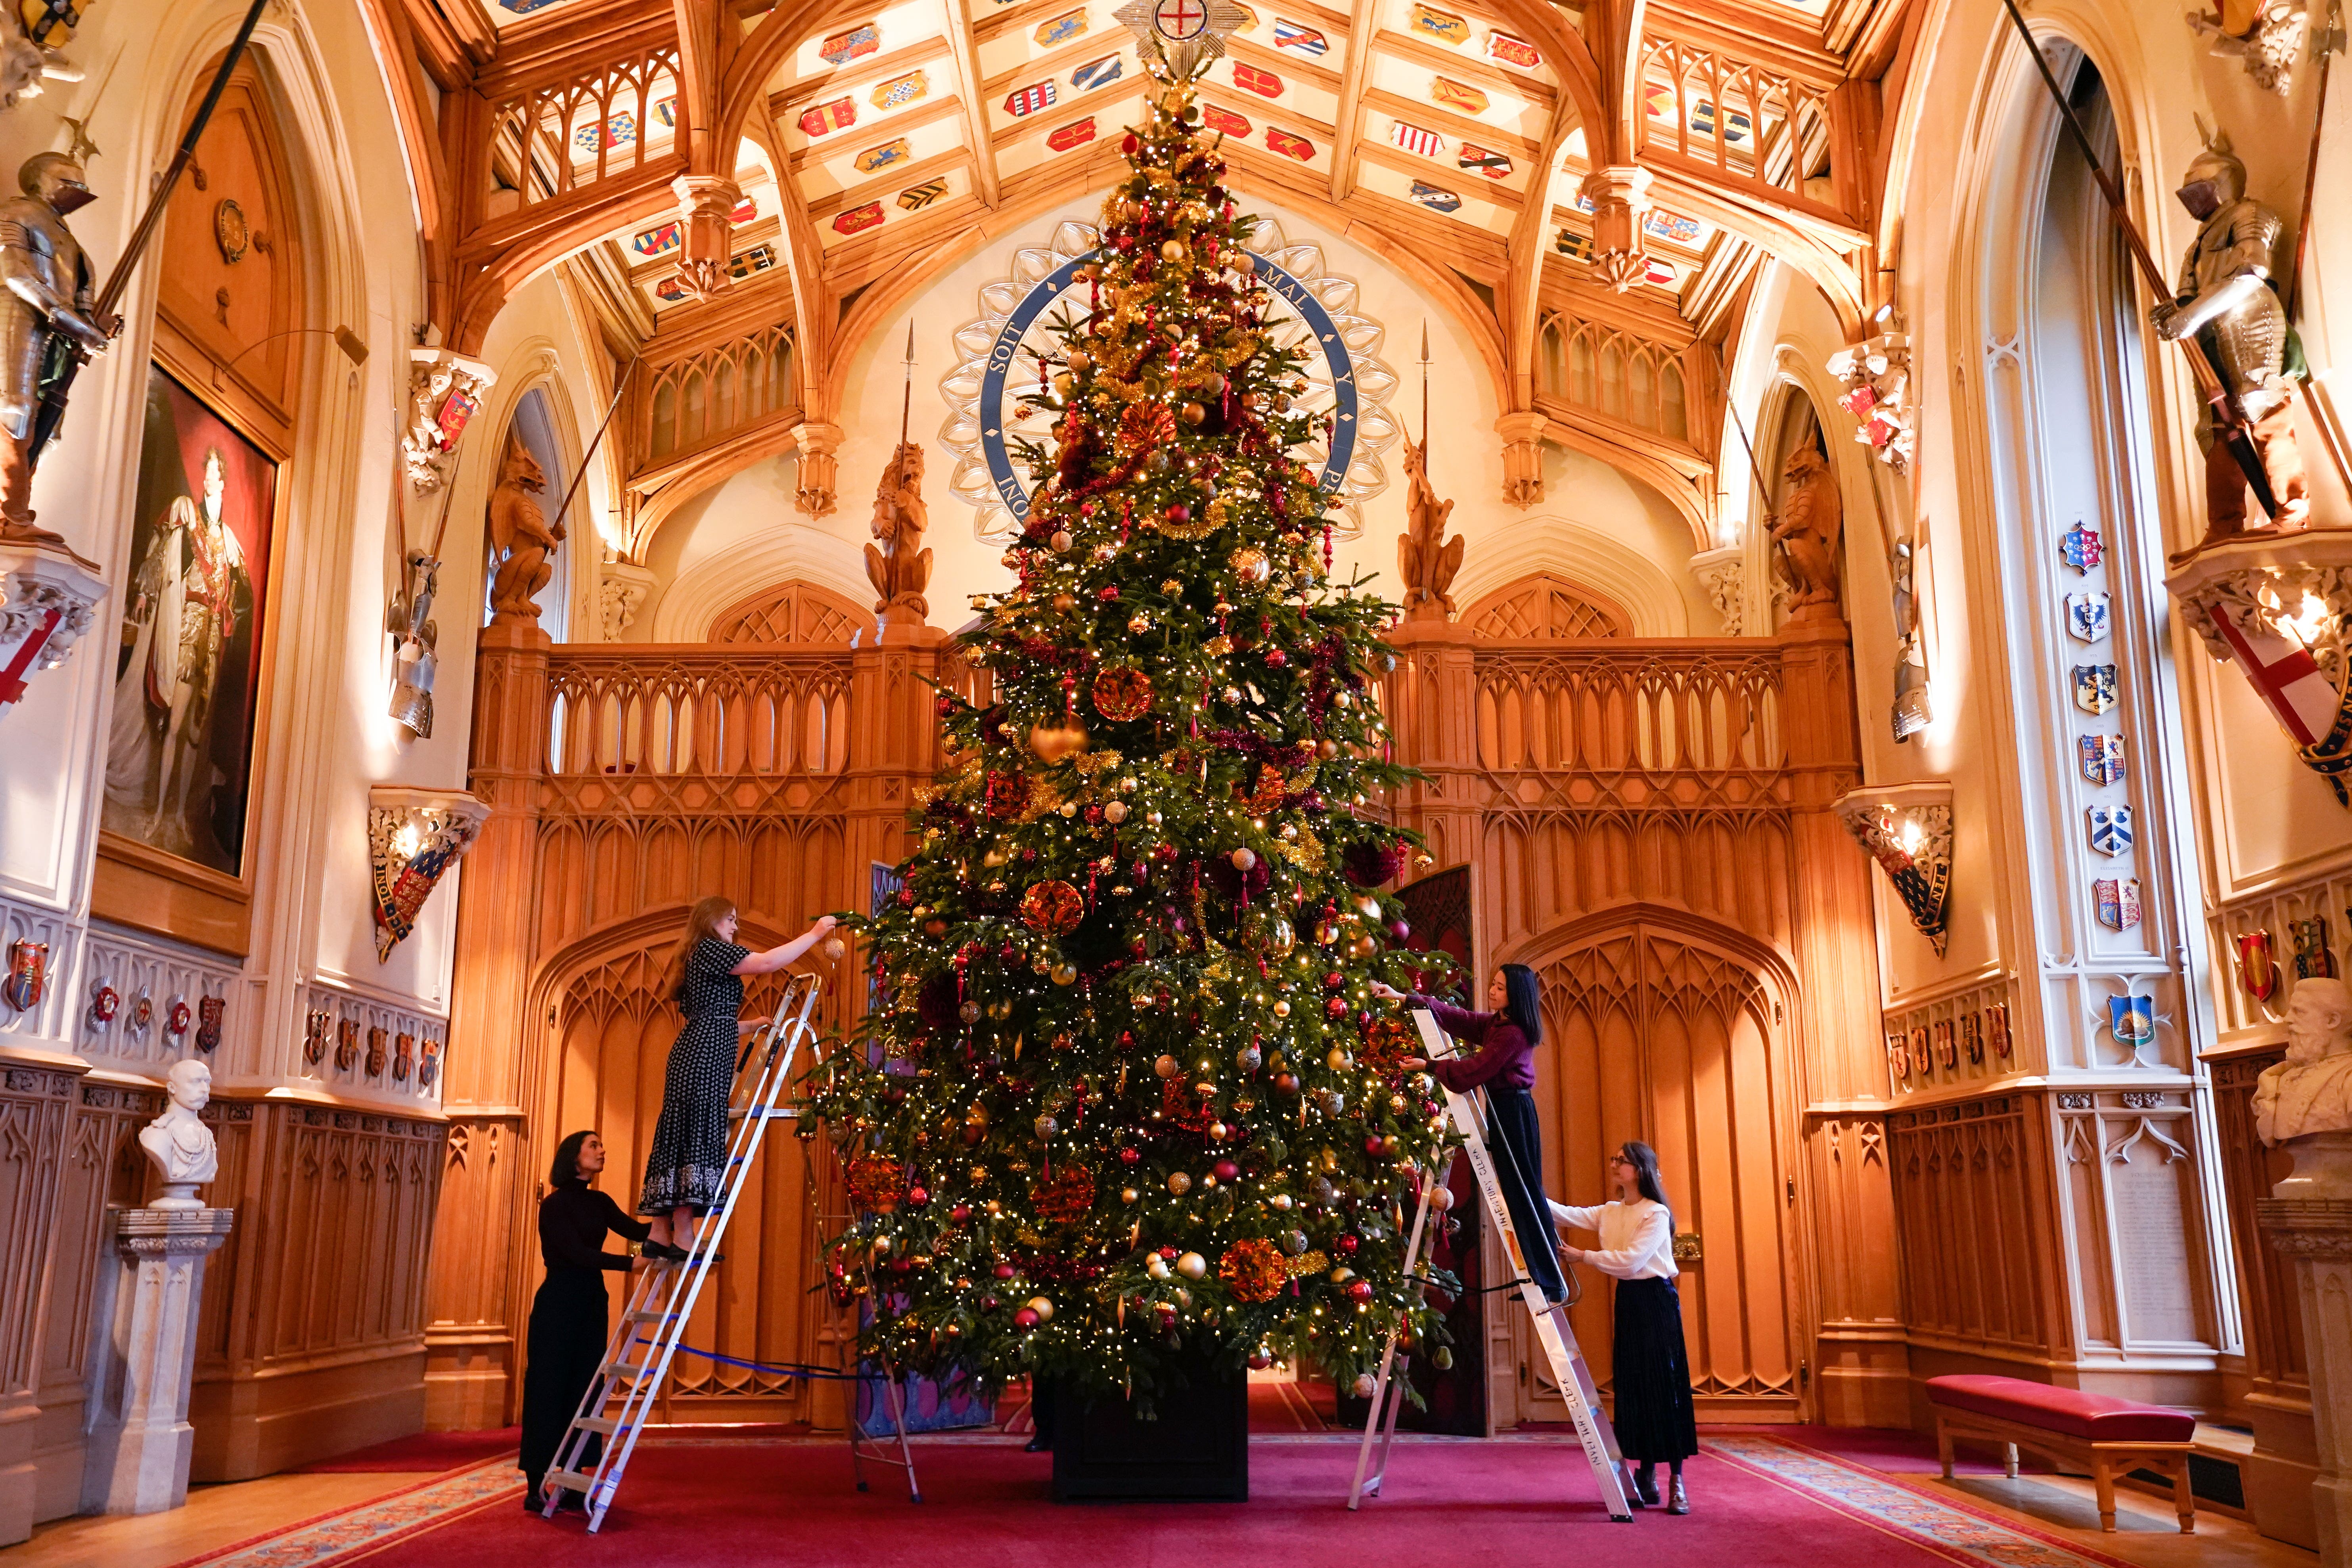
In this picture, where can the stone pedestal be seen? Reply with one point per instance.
(2310, 1221)
(139, 1439)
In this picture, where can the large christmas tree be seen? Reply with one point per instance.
(1124, 1093)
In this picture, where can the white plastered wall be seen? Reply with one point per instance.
(323, 737)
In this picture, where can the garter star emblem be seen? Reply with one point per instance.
(1003, 350)
(1183, 36)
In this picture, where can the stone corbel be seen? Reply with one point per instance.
(2280, 608)
(413, 837)
(1724, 574)
(2264, 35)
(706, 206)
(1621, 199)
(1907, 829)
(48, 597)
(1522, 435)
(621, 593)
(819, 473)
(444, 391)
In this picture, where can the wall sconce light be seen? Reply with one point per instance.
(1907, 828)
(413, 835)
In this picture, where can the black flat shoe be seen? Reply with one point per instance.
(1634, 1498)
(533, 1501)
(662, 1252)
(1645, 1480)
(1036, 1445)
(1678, 1501)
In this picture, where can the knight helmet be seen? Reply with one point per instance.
(55, 179)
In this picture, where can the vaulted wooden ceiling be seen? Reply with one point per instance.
(841, 152)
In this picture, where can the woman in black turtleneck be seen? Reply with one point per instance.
(569, 1317)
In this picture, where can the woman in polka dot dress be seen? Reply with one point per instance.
(689, 1158)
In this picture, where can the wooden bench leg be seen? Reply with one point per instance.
(2184, 1501)
(1944, 1446)
(2102, 1481)
(2008, 1458)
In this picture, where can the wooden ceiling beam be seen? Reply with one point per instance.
(1356, 70)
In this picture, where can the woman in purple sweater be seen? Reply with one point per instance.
(1505, 1067)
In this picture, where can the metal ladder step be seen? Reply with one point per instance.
(1554, 1338)
(635, 1361)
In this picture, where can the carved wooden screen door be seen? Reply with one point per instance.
(606, 1061)
(1654, 1033)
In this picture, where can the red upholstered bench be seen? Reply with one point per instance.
(2101, 1434)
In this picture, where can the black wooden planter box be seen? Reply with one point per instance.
(1197, 1451)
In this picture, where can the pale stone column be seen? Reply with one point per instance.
(139, 1439)
(2309, 1218)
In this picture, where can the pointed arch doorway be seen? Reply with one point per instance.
(1672, 1029)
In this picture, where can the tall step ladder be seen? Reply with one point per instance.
(876, 1449)
(1551, 1329)
(661, 1299)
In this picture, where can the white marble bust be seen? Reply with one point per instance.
(2311, 1091)
(178, 1141)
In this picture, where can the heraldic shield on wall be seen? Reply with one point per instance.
(179, 753)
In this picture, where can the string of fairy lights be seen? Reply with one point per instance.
(1124, 1095)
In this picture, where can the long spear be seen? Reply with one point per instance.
(2228, 423)
(590, 456)
(1763, 491)
(52, 411)
(907, 404)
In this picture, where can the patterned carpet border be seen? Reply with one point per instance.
(1948, 1528)
(373, 1525)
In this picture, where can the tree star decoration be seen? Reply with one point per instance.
(1183, 36)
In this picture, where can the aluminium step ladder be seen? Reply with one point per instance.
(661, 1299)
(1551, 1329)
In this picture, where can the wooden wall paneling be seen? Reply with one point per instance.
(1658, 1034)
(313, 1340)
(1860, 1379)
(103, 1168)
(36, 1105)
(1971, 1196)
(1598, 783)
(473, 1314)
(2285, 1460)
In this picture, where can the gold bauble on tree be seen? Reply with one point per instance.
(1052, 742)
(1250, 565)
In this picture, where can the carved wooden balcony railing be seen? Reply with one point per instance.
(1631, 726)
(1769, 131)
(709, 395)
(551, 140)
(689, 730)
(1614, 374)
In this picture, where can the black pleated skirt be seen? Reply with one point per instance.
(569, 1322)
(1515, 1140)
(1653, 1415)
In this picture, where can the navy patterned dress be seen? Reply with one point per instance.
(688, 1157)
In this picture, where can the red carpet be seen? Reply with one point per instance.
(717, 1502)
(422, 1451)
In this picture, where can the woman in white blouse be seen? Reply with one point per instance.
(1653, 1418)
